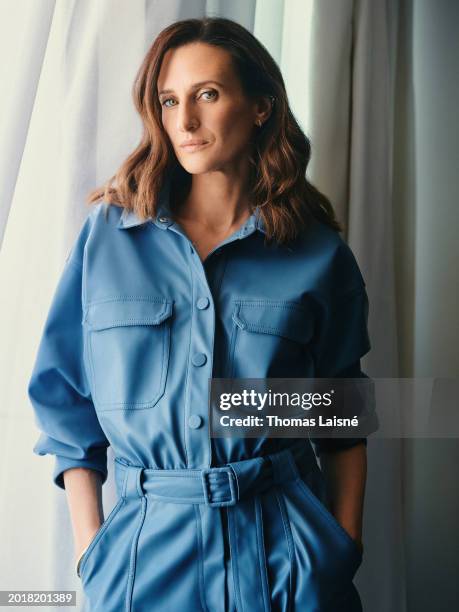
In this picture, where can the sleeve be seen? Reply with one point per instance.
(342, 337)
(58, 388)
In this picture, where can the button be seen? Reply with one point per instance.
(199, 359)
(195, 421)
(202, 303)
(164, 219)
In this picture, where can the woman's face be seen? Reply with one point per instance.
(205, 102)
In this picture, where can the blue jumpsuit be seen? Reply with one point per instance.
(137, 327)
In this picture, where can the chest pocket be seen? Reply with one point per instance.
(268, 339)
(127, 346)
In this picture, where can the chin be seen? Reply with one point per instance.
(199, 168)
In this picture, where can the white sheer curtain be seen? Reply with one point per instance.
(66, 126)
(67, 123)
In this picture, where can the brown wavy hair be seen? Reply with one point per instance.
(281, 150)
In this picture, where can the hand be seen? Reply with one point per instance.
(356, 536)
(359, 544)
(81, 553)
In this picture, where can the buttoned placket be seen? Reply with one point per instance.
(197, 429)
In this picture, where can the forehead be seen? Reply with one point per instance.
(195, 62)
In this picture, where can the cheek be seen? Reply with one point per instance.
(167, 126)
(235, 129)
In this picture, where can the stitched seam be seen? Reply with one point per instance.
(265, 328)
(331, 520)
(124, 485)
(126, 322)
(255, 303)
(200, 557)
(130, 298)
(187, 472)
(138, 484)
(165, 361)
(234, 559)
(209, 381)
(261, 554)
(147, 318)
(289, 539)
(290, 334)
(177, 474)
(100, 533)
(187, 382)
(135, 405)
(125, 406)
(176, 500)
(133, 556)
(298, 479)
(224, 265)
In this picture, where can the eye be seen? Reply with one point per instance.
(163, 103)
(209, 91)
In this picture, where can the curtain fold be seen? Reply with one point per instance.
(25, 29)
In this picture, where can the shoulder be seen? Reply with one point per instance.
(101, 217)
(105, 212)
(324, 248)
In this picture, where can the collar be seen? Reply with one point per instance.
(130, 219)
(163, 218)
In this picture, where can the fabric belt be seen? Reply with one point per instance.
(215, 486)
(234, 485)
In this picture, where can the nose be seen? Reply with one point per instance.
(187, 119)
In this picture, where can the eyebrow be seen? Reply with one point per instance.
(194, 86)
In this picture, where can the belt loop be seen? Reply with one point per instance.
(132, 484)
(138, 482)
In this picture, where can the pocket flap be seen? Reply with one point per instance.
(282, 318)
(119, 311)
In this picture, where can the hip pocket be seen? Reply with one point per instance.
(128, 346)
(108, 566)
(99, 534)
(333, 522)
(324, 549)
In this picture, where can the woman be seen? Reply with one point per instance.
(211, 257)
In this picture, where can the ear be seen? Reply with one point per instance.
(263, 109)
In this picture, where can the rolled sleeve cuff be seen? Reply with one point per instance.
(97, 462)
(330, 445)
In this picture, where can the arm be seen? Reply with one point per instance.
(84, 498)
(342, 340)
(345, 474)
(59, 389)
(60, 395)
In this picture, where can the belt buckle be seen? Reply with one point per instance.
(232, 485)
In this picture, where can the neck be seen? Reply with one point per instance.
(217, 202)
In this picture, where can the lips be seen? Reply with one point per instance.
(192, 148)
(193, 143)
